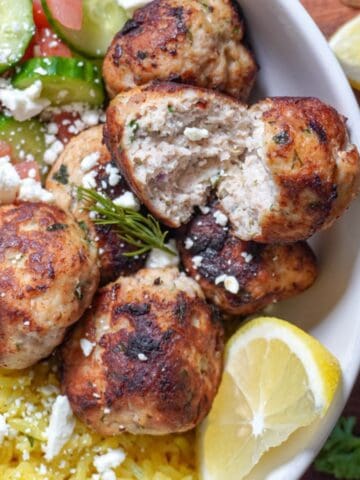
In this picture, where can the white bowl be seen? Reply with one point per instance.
(295, 60)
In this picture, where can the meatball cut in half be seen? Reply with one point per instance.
(199, 43)
(281, 170)
(86, 162)
(173, 142)
(243, 277)
(48, 276)
(298, 175)
(147, 357)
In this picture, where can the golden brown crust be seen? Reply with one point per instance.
(113, 262)
(265, 273)
(184, 41)
(48, 275)
(157, 361)
(315, 169)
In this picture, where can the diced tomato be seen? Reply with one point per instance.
(39, 16)
(5, 149)
(28, 169)
(68, 12)
(64, 122)
(48, 44)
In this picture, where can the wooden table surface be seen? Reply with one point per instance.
(330, 15)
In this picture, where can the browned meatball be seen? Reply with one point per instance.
(243, 277)
(48, 276)
(155, 356)
(86, 161)
(299, 174)
(187, 41)
(282, 170)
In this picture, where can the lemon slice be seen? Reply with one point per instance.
(346, 46)
(276, 379)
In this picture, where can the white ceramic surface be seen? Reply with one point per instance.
(296, 60)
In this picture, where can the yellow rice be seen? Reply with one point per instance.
(27, 407)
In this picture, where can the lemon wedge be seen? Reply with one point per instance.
(276, 379)
(346, 46)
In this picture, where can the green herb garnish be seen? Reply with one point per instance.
(171, 109)
(56, 227)
(134, 125)
(281, 138)
(340, 456)
(143, 232)
(62, 175)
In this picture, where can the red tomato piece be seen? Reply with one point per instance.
(39, 15)
(68, 12)
(24, 169)
(48, 44)
(64, 122)
(5, 149)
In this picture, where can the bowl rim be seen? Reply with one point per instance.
(295, 13)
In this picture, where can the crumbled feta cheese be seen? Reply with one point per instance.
(112, 459)
(230, 283)
(91, 117)
(205, 210)
(89, 180)
(52, 128)
(189, 243)
(196, 134)
(32, 173)
(127, 200)
(114, 174)
(197, 259)
(108, 475)
(132, 4)
(247, 256)
(86, 346)
(9, 183)
(160, 259)
(4, 428)
(31, 191)
(220, 218)
(61, 427)
(24, 104)
(90, 161)
(51, 154)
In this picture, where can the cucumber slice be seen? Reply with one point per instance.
(64, 80)
(26, 138)
(16, 30)
(102, 19)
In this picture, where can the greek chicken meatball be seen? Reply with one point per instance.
(147, 357)
(282, 170)
(199, 43)
(299, 174)
(48, 276)
(86, 162)
(172, 142)
(242, 277)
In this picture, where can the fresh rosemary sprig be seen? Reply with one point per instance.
(143, 232)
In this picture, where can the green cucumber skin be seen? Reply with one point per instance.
(23, 42)
(31, 133)
(81, 79)
(61, 32)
